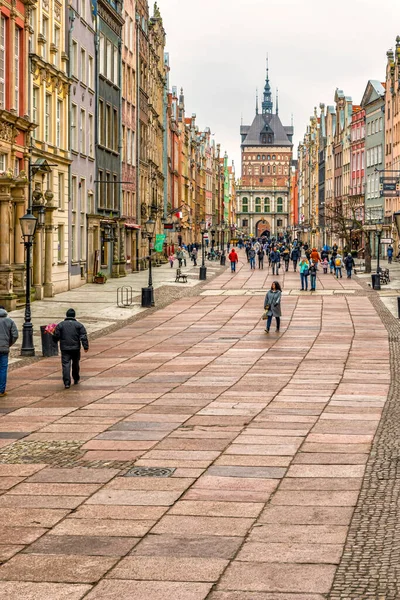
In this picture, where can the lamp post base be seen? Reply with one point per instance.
(203, 273)
(222, 261)
(147, 297)
(27, 348)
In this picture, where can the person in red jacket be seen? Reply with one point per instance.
(233, 257)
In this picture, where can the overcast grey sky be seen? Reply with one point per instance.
(217, 54)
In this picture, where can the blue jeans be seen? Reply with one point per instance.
(338, 272)
(313, 281)
(349, 272)
(3, 372)
(304, 281)
(252, 263)
(269, 321)
(233, 267)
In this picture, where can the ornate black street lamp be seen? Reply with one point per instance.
(148, 292)
(28, 227)
(203, 269)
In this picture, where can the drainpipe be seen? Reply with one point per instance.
(138, 134)
(69, 140)
(165, 135)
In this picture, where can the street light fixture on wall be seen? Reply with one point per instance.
(28, 227)
(148, 292)
(203, 268)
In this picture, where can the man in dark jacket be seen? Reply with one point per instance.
(71, 334)
(8, 337)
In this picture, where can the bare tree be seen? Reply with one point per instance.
(345, 217)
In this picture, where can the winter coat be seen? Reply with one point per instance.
(273, 300)
(349, 262)
(71, 334)
(390, 252)
(295, 254)
(233, 257)
(8, 332)
(304, 266)
(275, 256)
(315, 257)
(252, 253)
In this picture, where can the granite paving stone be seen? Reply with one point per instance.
(268, 439)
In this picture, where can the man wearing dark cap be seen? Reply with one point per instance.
(71, 334)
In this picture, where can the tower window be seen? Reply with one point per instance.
(267, 205)
(245, 205)
(279, 205)
(258, 205)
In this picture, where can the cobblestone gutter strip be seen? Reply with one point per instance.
(164, 295)
(370, 565)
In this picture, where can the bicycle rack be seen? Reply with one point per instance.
(124, 296)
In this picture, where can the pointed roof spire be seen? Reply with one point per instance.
(277, 105)
(256, 101)
(267, 104)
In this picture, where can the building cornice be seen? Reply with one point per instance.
(47, 72)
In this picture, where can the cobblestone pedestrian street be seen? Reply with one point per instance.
(200, 458)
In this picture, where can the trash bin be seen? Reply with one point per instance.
(223, 260)
(376, 281)
(49, 345)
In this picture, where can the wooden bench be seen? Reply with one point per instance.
(180, 277)
(384, 276)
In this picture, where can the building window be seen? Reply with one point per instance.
(269, 170)
(101, 189)
(109, 48)
(245, 205)
(279, 205)
(74, 232)
(267, 205)
(83, 65)
(83, 132)
(58, 123)
(3, 162)
(35, 100)
(91, 72)
(16, 63)
(47, 118)
(91, 135)
(115, 191)
(108, 127)
(102, 54)
(60, 243)
(83, 10)
(56, 55)
(74, 127)
(74, 58)
(101, 122)
(115, 69)
(115, 127)
(45, 33)
(279, 222)
(61, 203)
(2, 61)
(108, 191)
(258, 205)
(245, 223)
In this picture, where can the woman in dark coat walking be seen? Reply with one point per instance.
(272, 302)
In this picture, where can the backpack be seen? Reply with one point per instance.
(338, 262)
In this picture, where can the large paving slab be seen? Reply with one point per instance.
(249, 450)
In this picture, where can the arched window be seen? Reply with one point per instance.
(263, 169)
(263, 156)
(258, 157)
(274, 169)
(249, 170)
(267, 205)
(245, 205)
(258, 205)
(279, 205)
(269, 169)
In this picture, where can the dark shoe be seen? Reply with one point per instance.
(276, 330)
(76, 382)
(67, 386)
(267, 331)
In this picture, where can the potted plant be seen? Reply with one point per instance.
(100, 277)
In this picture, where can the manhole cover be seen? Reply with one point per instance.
(150, 472)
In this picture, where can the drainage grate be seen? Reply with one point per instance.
(150, 472)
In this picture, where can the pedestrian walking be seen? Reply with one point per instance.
(315, 257)
(313, 275)
(286, 258)
(325, 265)
(275, 259)
(194, 257)
(180, 257)
(71, 334)
(260, 255)
(332, 264)
(272, 305)
(247, 250)
(171, 259)
(304, 267)
(338, 266)
(390, 254)
(233, 257)
(8, 337)
(349, 264)
(252, 258)
(295, 257)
